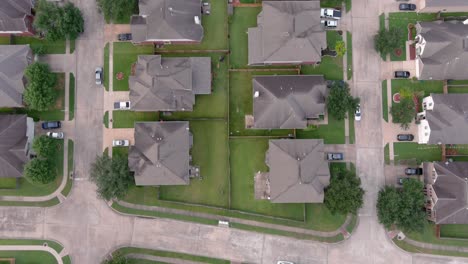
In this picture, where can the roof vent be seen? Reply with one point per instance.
(197, 20)
(256, 94)
(446, 163)
(465, 22)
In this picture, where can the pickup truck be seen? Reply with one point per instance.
(330, 13)
(122, 105)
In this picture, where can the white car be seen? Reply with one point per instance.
(357, 113)
(122, 105)
(329, 23)
(284, 262)
(57, 135)
(120, 143)
(330, 13)
(98, 73)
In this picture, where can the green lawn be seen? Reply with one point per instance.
(210, 152)
(349, 54)
(4, 40)
(215, 104)
(215, 30)
(332, 133)
(330, 67)
(461, 150)
(48, 203)
(168, 254)
(105, 119)
(56, 47)
(67, 260)
(68, 186)
(428, 235)
(243, 18)
(387, 154)
(71, 104)
(454, 231)
(241, 104)
(458, 89)
(72, 46)
(384, 100)
(127, 119)
(411, 151)
(120, 151)
(247, 156)
(351, 127)
(32, 242)
(29, 257)
(106, 67)
(126, 54)
(7, 183)
(427, 87)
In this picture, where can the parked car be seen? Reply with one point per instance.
(405, 137)
(407, 7)
(334, 156)
(357, 113)
(284, 262)
(57, 135)
(413, 171)
(402, 74)
(330, 13)
(51, 125)
(122, 105)
(120, 143)
(125, 36)
(329, 23)
(98, 73)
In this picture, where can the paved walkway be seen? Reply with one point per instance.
(52, 251)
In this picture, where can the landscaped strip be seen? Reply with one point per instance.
(384, 101)
(71, 95)
(48, 47)
(405, 151)
(48, 203)
(105, 119)
(351, 122)
(106, 67)
(67, 260)
(131, 252)
(30, 256)
(68, 186)
(349, 53)
(387, 153)
(72, 46)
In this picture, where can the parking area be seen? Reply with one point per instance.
(389, 67)
(112, 30)
(391, 130)
(394, 172)
(112, 134)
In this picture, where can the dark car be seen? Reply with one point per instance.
(407, 7)
(335, 156)
(402, 74)
(405, 137)
(51, 125)
(125, 36)
(413, 171)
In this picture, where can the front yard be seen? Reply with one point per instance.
(125, 55)
(405, 151)
(332, 133)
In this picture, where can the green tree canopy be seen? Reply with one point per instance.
(117, 259)
(340, 101)
(117, 11)
(58, 23)
(340, 48)
(344, 194)
(39, 93)
(44, 146)
(388, 204)
(112, 176)
(39, 170)
(386, 41)
(403, 112)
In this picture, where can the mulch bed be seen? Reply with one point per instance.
(119, 76)
(398, 52)
(396, 97)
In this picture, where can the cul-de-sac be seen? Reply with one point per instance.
(233, 131)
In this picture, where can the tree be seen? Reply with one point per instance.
(117, 259)
(388, 203)
(44, 146)
(39, 93)
(344, 194)
(386, 41)
(403, 112)
(117, 10)
(58, 23)
(340, 101)
(39, 170)
(340, 48)
(112, 176)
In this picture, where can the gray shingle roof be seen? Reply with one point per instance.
(169, 84)
(160, 155)
(12, 14)
(287, 32)
(13, 61)
(436, 5)
(448, 120)
(298, 170)
(451, 189)
(445, 55)
(288, 101)
(13, 145)
(169, 20)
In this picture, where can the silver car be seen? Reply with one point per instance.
(57, 135)
(98, 75)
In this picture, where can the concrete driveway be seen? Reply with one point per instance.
(348, 150)
(389, 67)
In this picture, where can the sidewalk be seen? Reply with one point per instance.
(33, 248)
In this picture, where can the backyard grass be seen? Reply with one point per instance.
(384, 101)
(7, 183)
(29, 257)
(247, 157)
(458, 89)
(349, 53)
(125, 54)
(332, 133)
(71, 103)
(127, 119)
(168, 254)
(215, 30)
(106, 67)
(28, 189)
(68, 186)
(461, 152)
(243, 18)
(210, 152)
(49, 47)
(241, 104)
(214, 105)
(415, 151)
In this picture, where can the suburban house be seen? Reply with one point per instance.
(160, 155)
(168, 84)
(167, 22)
(441, 50)
(287, 32)
(16, 136)
(444, 119)
(287, 102)
(446, 190)
(298, 173)
(13, 61)
(16, 17)
(434, 6)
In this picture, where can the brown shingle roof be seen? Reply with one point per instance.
(13, 145)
